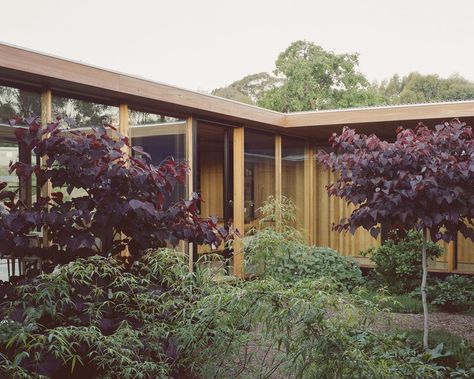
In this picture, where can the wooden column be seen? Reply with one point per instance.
(452, 256)
(123, 123)
(309, 203)
(124, 129)
(46, 117)
(239, 205)
(278, 176)
(190, 150)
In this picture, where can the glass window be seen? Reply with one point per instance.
(77, 113)
(259, 167)
(14, 102)
(161, 137)
(292, 175)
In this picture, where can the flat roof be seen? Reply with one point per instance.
(66, 77)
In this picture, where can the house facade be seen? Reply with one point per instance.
(239, 154)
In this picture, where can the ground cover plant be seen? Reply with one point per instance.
(424, 180)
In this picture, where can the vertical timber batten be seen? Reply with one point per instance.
(191, 156)
(124, 129)
(46, 117)
(452, 264)
(309, 203)
(239, 206)
(278, 176)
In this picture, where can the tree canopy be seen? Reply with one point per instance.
(308, 77)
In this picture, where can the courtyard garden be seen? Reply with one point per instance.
(117, 300)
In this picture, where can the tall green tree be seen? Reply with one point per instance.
(307, 77)
(314, 78)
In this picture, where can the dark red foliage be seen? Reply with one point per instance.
(425, 179)
(121, 201)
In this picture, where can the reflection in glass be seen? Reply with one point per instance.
(83, 114)
(211, 169)
(16, 102)
(259, 166)
(161, 137)
(292, 175)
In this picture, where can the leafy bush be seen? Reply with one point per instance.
(95, 318)
(398, 263)
(304, 329)
(288, 260)
(453, 293)
(122, 202)
(278, 250)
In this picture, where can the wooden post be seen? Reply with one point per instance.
(239, 205)
(278, 175)
(191, 129)
(452, 256)
(309, 204)
(46, 117)
(124, 129)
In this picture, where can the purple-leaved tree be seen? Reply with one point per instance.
(424, 180)
(121, 202)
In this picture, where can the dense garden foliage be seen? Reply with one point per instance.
(97, 318)
(305, 312)
(121, 199)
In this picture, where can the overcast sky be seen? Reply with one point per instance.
(204, 44)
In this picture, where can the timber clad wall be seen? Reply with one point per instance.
(330, 210)
(238, 154)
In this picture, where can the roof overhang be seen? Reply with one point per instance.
(32, 69)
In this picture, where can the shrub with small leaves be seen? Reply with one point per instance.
(453, 293)
(289, 260)
(398, 263)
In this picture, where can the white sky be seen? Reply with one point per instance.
(203, 44)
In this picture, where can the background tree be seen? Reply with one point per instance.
(121, 202)
(417, 88)
(314, 78)
(424, 181)
(250, 88)
(307, 77)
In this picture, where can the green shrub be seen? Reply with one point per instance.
(271, 254)
(303, 329)
(95, 317)
(453, 293)
(398, 263)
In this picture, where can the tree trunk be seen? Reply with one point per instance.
(423, 292)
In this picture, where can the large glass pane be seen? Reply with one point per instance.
(161, 137)
(292, 175)
(14, 103)
(211, 169)
(77, 113)
(259, 165)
